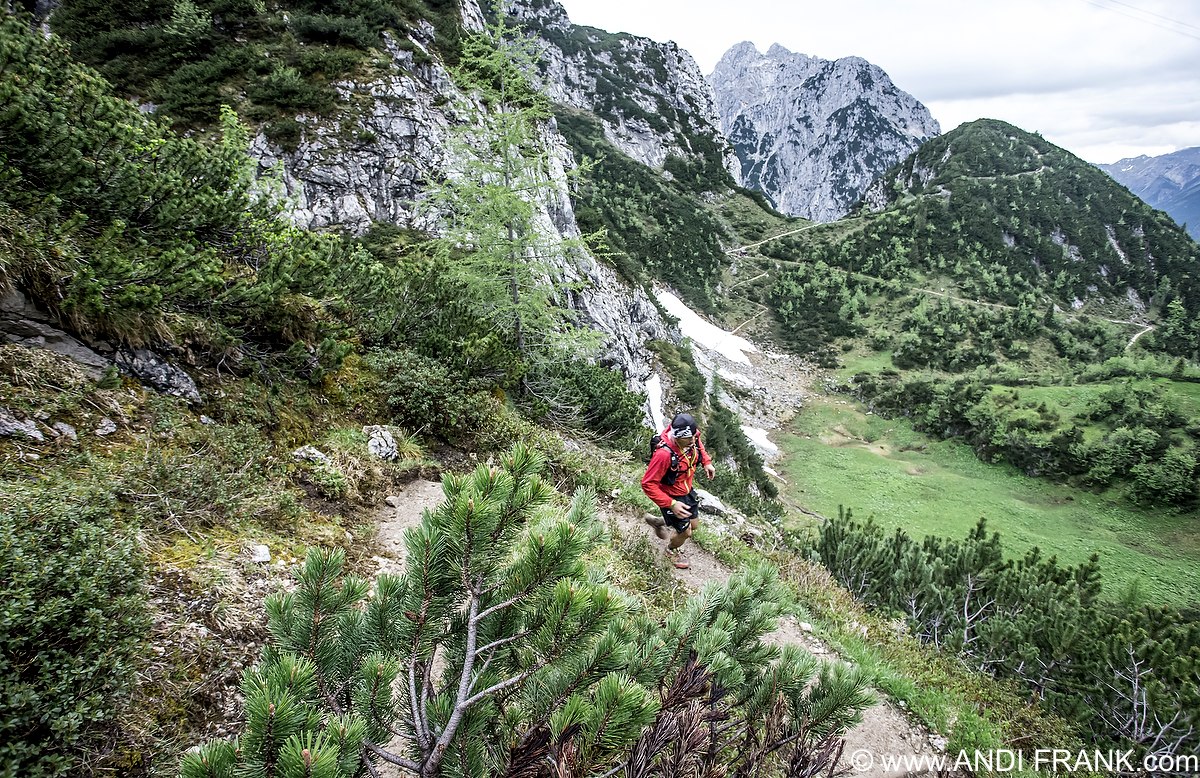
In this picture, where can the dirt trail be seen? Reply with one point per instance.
(884, 730)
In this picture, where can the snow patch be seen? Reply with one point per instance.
(654, 398)
(760, 440)
(703, 333)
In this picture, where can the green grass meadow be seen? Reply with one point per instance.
(835, 454)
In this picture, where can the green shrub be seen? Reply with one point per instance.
(72, 616)
(602, 404)
(689, 385)
(423, 395)
(285, 132)
(286, 89)
(333, 30)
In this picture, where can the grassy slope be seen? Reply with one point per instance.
(837, 455)
(195, 530)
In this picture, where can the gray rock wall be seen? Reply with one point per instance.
(652, 98)
(373, 163)
(811, 133)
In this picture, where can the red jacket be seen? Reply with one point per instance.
(661, 494)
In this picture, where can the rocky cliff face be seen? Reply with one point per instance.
(811, 133)
(373, 164)
(651, 97)
(1170, 183)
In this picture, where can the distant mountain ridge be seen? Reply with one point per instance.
(1170, 182)
(811, 133)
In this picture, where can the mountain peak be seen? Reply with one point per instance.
(740, 51)
(811, 133)
(778, 52)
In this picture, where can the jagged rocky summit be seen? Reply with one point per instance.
(1170, 182)
(652, 98)
(812, 134)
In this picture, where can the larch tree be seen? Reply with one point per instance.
(489, 204)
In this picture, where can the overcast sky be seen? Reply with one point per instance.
(1104, 79)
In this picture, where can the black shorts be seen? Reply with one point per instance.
(692, 501)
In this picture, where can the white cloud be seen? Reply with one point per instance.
(1103, 78)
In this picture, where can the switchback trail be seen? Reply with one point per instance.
(917, 289)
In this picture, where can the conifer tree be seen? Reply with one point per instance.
(497, 653)
(499, 163)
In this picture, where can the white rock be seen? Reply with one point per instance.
(310, 454)
(106, 427)
(710, 503)
(380, 442)
(65, 430)
(260, 553)
(11, 425)
(392, 500)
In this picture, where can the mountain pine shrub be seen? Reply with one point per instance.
(497, 652)
(1126, 675)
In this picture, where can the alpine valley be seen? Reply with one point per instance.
(335, 333)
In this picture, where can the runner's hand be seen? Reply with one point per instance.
(710, 472)
(680, 509)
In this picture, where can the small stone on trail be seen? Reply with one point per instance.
(260, 553)
(804, 625)
(392, 500)
(107, 427)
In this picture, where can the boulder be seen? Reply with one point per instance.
(152, 369)
(380, 442)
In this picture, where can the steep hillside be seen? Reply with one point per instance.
(812, 134)
(1170, 182)
(651, 98)
(991, 194)
(379, 311)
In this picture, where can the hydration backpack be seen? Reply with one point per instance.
(672, 475)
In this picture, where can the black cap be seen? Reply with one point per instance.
(683, 424)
